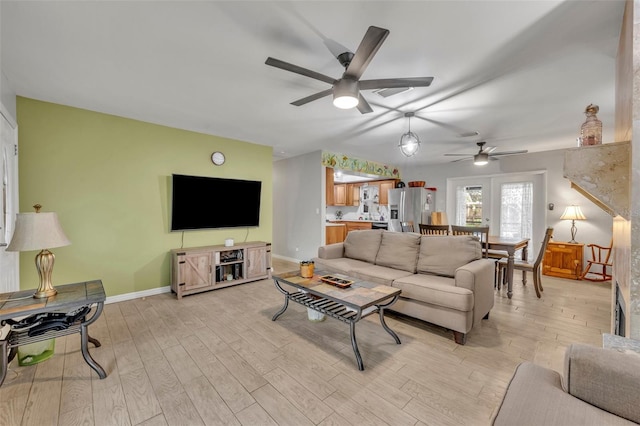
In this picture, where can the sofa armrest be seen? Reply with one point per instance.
(478, 276)
(331, 251)
(605, 378)
(477, 273)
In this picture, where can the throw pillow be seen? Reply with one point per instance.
(399, 250)
(363, 245)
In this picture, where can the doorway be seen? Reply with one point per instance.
(512, 205)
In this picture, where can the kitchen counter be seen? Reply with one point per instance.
(334, 224)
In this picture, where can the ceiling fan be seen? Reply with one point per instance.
(346, 90)
(485, 154)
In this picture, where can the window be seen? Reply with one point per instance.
(469, 205)
(516, 212)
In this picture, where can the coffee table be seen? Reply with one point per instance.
(348, 305)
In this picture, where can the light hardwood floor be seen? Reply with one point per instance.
(217, 358)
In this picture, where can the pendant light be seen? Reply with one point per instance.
(409, 142)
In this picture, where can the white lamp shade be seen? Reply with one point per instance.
(573, 213)
(37, 231)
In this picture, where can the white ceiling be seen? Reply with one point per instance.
(518, 72)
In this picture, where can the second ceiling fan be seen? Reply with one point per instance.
(346, 90)
(484, 154)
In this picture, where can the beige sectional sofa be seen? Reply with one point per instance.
(444, 279)
(599, 387)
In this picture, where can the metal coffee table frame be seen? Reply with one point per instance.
(69, 297)
(337, 308)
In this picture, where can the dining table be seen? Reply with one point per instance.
(510, 245)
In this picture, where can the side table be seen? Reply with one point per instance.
(70, 296)
(563, 260)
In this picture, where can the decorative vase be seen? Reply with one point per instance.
(306, 268)
(591, 129)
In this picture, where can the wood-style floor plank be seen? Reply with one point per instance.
(217, 358)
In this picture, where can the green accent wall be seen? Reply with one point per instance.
(109, 180)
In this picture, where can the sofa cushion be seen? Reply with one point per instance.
(399, 250)
(442, 255)
(363, 244)
(342, 265)
(605, 378)
(534, 397)
(436, 290)
(378, 274)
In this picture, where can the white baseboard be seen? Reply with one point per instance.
(290, 259)
(137, 294)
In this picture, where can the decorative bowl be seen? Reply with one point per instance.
(416, 184)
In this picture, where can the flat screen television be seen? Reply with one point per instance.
(200, 202)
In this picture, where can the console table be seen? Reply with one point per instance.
(69, 297)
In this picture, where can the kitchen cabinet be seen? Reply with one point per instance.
(335, 233)
(198, 269)
(563, 260)
(353, 194)
(340, 194)
(329, 187)
(385, 186)
(348, 194)
(352, 226)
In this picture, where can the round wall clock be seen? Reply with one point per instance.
(217, 158)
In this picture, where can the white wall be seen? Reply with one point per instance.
(298, 206)
(7, 95)
(596, 229)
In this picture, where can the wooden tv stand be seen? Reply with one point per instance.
(198, 269)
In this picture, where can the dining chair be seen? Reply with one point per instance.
(599, 257)
(526, 266)
(482, 232)
(407, 226)
(434, 229)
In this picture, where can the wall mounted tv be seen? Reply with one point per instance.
(202, 203)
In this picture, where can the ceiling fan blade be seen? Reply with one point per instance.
(522, 151)
(489, 149)
(363, 105)
(369, 45)
(392, 83)
(299, 70)
(313, 97)
(461, 159)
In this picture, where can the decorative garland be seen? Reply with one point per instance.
(344, 162)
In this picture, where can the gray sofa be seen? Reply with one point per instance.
(599, 387)
(444, 279)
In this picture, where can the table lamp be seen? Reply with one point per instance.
(39, 231)
(573, 213)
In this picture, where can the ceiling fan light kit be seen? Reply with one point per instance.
(345, 94)
(481, 159)
(409, 142)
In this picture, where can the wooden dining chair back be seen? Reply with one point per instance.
(407, 226)
(482, 232)
(523, 265)
(600, 257)
(434, 229)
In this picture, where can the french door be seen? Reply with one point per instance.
(9, 266)
(513, 205)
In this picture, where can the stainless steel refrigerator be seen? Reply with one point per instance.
(410, 205)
